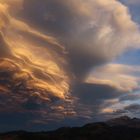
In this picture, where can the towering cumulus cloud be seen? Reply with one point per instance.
(93, 31)
(44, 44)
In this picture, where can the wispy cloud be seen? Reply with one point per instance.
(46, 56)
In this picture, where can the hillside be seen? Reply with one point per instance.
(123, 128)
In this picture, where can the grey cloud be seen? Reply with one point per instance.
(92, 98)
(130, 110)
(133, 108)
(93, 93)
(130, 97)
(92, 32)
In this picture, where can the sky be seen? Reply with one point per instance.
(68, 63)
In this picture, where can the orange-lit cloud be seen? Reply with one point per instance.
(44, 51)
(118, 76)
(32, 67)
(107, 110)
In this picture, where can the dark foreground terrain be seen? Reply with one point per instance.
(123, 128)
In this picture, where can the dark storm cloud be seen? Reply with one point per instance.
(92, 98)
(93, 93)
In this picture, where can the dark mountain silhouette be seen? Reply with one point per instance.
(124, 121)
(123, 128)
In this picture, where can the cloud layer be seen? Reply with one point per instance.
(54, 58)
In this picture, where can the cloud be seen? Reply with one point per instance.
(132, 107)
(33, 76)
(131, 110)
(93, 99)
(118, 107)
(46, 56)
(131, 2)
(92, 31)
(122, 77)
(107, 110)
(124, 81)
(130, 97)
(12, 4)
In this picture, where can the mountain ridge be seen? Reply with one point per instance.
(122, 128)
